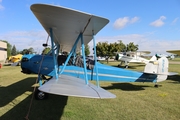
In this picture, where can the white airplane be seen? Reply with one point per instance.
(171, 57)
(129, 57)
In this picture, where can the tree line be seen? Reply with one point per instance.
(103, 49)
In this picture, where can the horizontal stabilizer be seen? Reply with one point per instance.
(168, 73)
(172, 73)
(72, 86)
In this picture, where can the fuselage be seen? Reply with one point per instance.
(132, 58)
(43, 64)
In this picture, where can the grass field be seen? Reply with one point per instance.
(134, 101)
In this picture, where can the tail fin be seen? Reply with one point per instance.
(158, 67)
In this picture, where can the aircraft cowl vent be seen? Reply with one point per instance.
(24, 59)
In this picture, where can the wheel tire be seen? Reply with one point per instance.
(156, 86)
(39, 95)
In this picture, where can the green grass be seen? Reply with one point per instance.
(134, 101)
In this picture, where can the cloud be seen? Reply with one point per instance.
(174, 21)
(134, 19)
(122, 22)
(144, 42)
(1, 7)
(26, 39)
(159, 22)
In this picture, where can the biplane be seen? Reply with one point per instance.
(69, 75)
(177, 52)
(132, 57)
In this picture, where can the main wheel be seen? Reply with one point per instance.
(39, 95)
(126, 66)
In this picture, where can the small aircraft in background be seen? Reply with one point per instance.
(132, 57)
(170, 57)
(69, 75)
(177, 52)
(15, 60)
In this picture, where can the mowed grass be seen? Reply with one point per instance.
(134, 101)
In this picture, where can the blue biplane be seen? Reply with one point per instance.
(69, 74)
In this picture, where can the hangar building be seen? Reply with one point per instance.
(3, 52)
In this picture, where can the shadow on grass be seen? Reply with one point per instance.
(9, 93)
(49, 109)
(126, 87)
(174, 79)
(130, 66)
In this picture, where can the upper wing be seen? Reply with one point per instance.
(67, 24)
(174, 51)
(140, 53)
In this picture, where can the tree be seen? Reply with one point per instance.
(108, 50)
(8, 48)
(102, 49)
(31, 50)
(87, 51)
(121, 46)
(132, 47)
(13, 51)
(24, 51)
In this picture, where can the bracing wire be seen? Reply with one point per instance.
(30, 105)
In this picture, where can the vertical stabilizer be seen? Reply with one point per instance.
(159, 67)
(162, 69)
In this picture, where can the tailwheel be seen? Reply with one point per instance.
(156, 85)
(126, 66)
(39, 95)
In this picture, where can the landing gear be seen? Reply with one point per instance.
(156, 85)
(126, 66)
(39, 95)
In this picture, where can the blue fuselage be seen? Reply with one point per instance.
(32, 64)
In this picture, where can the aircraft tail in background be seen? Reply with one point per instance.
(158, 67)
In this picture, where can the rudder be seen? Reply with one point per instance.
(158, 67)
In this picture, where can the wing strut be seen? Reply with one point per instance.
(53, 53)
(84, 60)
(70, 54)
(95, 60)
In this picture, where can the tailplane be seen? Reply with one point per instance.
(158, 67)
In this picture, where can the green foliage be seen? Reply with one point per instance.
(87, 52)
(27, 51)
(31, 50)
(13, 51)
(104, 49)
(132, 47)
(46, 50)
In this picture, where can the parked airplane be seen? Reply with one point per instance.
(15, 60)
(70, 75)
(171, 57)
(129, 57)
(177, 52)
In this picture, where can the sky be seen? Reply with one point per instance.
(152, 24)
